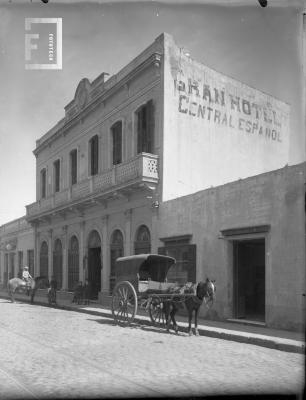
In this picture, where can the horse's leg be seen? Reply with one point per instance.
(189, 307)
(166, 307)
(172, 315)
(32, 295)
(196, 321)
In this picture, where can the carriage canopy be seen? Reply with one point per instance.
(146, 266)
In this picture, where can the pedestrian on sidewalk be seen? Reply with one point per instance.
(52, 290)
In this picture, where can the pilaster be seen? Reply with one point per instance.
(65, 258)
(50, 254)
(82, 252)
(127, 242)
(105, 257)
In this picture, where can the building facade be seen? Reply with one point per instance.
(16, 249)
(171, 157)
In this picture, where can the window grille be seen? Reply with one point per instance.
(73, 263)
(31, 262)
(142, 244)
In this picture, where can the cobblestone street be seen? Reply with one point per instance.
(47, 352)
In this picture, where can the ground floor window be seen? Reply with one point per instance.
(184, 270)
(73, 263)
(142, 243)
(30, 262)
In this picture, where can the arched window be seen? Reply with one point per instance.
(73, 263)
(58, 263)
(43, 259)
(116, 249)
(142, 244)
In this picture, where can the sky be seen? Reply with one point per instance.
(257, 46)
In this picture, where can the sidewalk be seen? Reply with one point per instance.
(258, 335)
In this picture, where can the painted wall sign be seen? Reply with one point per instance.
(216, 129)
(225, 109)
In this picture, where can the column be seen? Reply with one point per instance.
(155, 233)
(105, 257)
(36, 258)
(50, 255)
(65, 258)
(82, 252)
(37, 254)
(127, 242)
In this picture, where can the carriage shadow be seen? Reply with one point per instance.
(142, 326)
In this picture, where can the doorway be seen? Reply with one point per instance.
(249, 279)
(94, 265)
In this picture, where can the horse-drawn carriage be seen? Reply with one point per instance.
(141, 281)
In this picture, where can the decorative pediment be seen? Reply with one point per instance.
(82, 93)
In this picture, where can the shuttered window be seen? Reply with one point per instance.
(117, 142)
(94, 155)
(57, 176)
(43, 182)
(145, 128)
(73, 167)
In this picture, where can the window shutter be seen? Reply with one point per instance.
(150, 127)
(139, 131)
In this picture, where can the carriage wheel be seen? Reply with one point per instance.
(156, 311)
(124, 303)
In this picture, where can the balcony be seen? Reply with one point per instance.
(120, 180)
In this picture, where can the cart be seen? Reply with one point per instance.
(141, 282)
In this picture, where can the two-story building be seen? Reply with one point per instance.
(173, 157)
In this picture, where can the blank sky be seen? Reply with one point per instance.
(258, 46)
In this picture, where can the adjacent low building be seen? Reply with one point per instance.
(16, 249)
(169, 156)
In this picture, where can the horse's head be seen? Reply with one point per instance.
(206, 290)
(40, 282)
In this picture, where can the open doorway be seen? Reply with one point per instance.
(249, 279)
(94, 265)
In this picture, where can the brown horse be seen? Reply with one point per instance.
(205, 292)
(16, 284)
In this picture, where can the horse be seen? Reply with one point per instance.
(205, 291)
(40, 282)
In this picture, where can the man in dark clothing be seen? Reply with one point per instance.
(52, 290)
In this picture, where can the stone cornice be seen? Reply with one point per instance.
(154, 59)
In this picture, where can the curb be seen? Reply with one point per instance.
(275, 343)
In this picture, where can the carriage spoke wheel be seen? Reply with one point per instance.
(124, 303)
(156, 311)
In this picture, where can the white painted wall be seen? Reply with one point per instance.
(216, 129)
